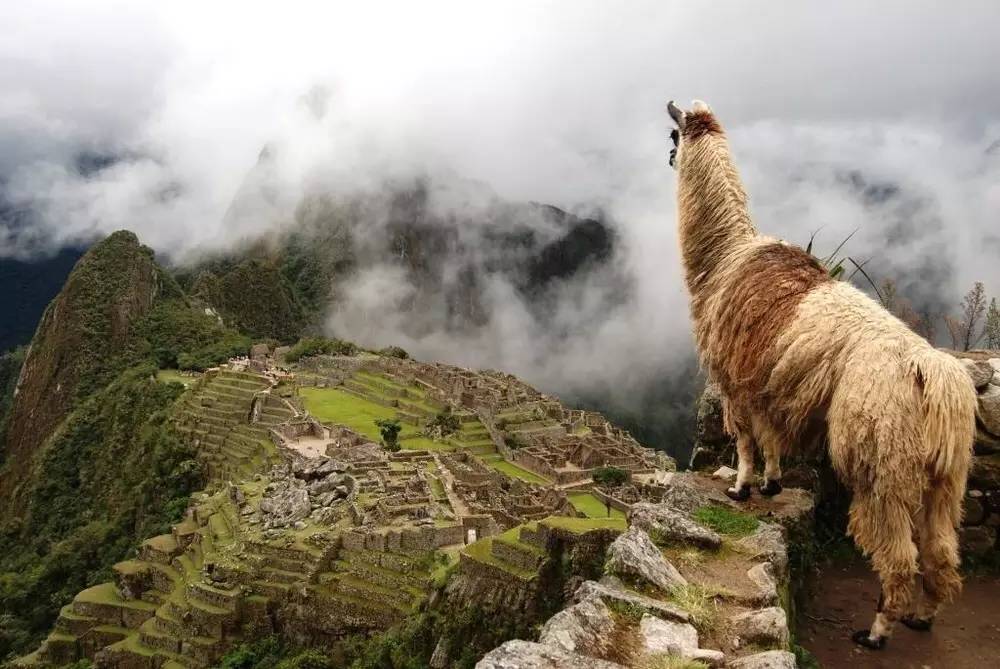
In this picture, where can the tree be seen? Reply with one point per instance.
(610, 476)
(963, 330)
(389, 428)
(992, 329)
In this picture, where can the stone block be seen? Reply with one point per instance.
(977, 541)
(974, 508)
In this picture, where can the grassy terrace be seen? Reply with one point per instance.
(592, 507)
(333, 405)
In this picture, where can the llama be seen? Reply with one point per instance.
(798, 355)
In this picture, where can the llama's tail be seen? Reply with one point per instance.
(949, 408)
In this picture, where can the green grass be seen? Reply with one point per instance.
(592, 507)
(700, 604)
(510, 469)
(332, 405)
(726, 521)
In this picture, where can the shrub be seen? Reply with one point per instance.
(443, 424)
(513, 441)
(181, 336)
(310, 346)
(394, 352)
(610, 476)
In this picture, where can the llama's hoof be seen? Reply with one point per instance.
(771, 488)
(738, 494)
(862, 638)
(918, 624)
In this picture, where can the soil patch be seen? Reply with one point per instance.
(966, 634)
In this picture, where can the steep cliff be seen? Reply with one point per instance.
(86, 337)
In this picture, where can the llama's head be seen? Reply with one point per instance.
(691, 125)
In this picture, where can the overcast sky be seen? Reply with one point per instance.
(559, 102)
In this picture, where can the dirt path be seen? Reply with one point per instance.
(966, 635)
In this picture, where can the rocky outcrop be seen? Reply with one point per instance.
(526, 655)
(635, 557)
(656, 616)
(665, 524)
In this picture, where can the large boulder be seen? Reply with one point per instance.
(586, 628)
(611, 591)
(664, 637)
(981, 372)
(286, 504)
(989, 409)
(519, 654)
(766, 627)
(665, 524)
(634, 556)
(771, 659)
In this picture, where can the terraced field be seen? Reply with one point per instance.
(215, 415)
(368, 397)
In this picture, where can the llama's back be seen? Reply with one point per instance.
(888, 396)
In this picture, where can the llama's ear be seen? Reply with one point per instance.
(700, 106)
(676, 113)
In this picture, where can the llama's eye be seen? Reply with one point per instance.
(675, 136)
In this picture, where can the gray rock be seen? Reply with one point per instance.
(768, 542)
(976, 540)
(685, 493)
(984, 473)
(772, 659)
(439, 659)
(725, 473)
(519, 654)
(634, 555)
(664, 636)
(666, 524)
(988, 411)
(612, 592)
(660, 637)
(766, 626)
(762, 575)
(980, 371)
(286, 505)
(585, 628)
(974, 508)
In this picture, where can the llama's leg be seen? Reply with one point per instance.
(938, 553)
(882, 525)
(744, 468)
(736, 421)
(770, 444)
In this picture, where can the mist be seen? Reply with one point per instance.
(847, 116)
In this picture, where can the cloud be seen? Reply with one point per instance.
(842, 116)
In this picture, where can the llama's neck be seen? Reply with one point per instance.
(712, 208)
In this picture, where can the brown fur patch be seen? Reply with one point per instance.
(758, 306)
(700, 123)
